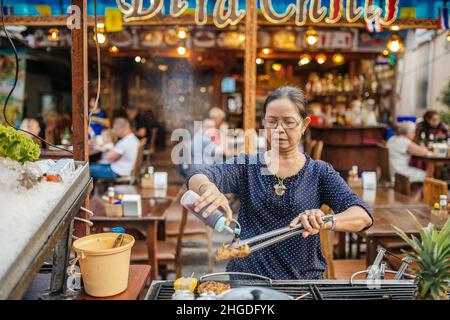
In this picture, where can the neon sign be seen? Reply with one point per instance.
(226, 12)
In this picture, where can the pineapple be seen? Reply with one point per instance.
(432, 256)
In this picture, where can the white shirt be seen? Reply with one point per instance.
(399, 159)
(127, 147)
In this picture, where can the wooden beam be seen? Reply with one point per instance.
(251, 23)
(163, 20)
(80, 97)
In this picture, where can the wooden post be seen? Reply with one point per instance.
(251, 21)
(80, 98)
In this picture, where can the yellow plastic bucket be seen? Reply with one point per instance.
(104, 269)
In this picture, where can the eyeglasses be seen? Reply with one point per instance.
(286, 123)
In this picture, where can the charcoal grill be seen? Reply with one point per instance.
(312, 289)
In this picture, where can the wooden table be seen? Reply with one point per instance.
(385, 218)
(383, 197)
(379, 198)
(431, 162)
(152, 214)
(137, 279)
(149, 193)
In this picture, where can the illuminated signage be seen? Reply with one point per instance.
(227, 12)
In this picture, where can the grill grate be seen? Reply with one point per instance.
(319, 290)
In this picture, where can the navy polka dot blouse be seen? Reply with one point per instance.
(261, 210)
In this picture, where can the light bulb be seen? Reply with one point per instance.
(312, 37)
(259, 61)
(266, 51)
(181, 51)
(321, 58)
(304, 59)
(338, 58)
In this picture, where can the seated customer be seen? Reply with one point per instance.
(401, 147)
(121, 159)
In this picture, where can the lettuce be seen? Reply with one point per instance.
(17, 146)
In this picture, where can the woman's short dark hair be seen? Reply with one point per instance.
(429, 114)
(294, 94)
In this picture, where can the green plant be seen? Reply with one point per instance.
(446, 95)
(445, 117)
(17, 146)
(432, 256)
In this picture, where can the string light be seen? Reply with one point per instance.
(163, 67)
(259, 61)
(137, 59)
(338, 58)
(304, 59)
(182, 33)
(181, 50)
(266, 51)
(385, 52)
(276, 67)
(53, 34)
(113, 49)
(395, 28)
(321, 58)
(312, 37)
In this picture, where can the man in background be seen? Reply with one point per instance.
(122, 158)
(142, 122)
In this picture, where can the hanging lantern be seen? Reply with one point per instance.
(53, 34)
(304, 59)
(338, 58)
(321, 58)
(312, 37)
(395, 43)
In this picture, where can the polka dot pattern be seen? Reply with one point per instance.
(262, 211)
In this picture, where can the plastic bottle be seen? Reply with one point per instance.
(216, 220)
(111, 199)
(443, 205)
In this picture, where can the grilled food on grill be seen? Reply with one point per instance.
(225, 252)
(213, 286)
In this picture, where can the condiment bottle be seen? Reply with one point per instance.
(443, 205)
(216, 220)
(150, 176)
(111, 199)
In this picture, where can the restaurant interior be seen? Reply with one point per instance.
(174, 69)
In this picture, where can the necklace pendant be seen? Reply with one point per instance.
(280, 189)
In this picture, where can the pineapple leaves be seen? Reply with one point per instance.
(432, 258)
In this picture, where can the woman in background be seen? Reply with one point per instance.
(431, 129)
(401, 147)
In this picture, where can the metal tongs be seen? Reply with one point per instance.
(272, 237)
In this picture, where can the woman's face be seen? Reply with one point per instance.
(284, 111)
(434, 121)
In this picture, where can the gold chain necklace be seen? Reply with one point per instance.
(280, 188)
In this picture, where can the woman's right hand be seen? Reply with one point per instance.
(213, 197)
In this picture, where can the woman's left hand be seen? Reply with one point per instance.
(311, 220)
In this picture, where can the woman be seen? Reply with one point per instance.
(431, 128)
(401, 147)
(282, 187)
